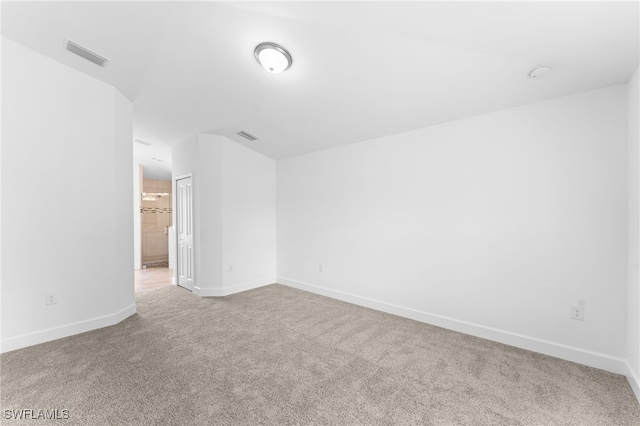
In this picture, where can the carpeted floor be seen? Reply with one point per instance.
(281, 356)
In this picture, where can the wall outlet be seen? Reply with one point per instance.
(577, 312)
(321, 267)
(230, 268)
(51, 298)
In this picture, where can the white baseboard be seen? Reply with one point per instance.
(207, 292)
(66, 330)
(226, 291)
(248, 286)
(634, 381)
(558, 350)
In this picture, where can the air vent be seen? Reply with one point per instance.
(85, 53)
(247, 135)
(141, 142)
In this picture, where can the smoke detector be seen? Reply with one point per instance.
(539, 71)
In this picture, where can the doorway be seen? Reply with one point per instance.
(153, 205)
(156, 212)
(155, 219)
(152, 278)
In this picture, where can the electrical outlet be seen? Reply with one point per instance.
(321, 267)
(230, 268)
(577, 312)
(51, 298)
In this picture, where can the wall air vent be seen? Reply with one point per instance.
(87, 54)
(247, 135)
(141, 142)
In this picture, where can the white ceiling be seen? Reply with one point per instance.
(360, 70)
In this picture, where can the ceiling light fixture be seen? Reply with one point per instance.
(273, 57)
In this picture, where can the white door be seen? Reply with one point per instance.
(184, 232)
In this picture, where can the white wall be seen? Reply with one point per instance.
(137, 219)
(234, 213)
(492, 225)
(66, 197)
(249, 218)
(207, 182)
(187, 160)
(633, 320)
(123, 285)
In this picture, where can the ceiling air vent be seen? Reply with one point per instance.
(85, 53)
(247, 135)
(141, 142)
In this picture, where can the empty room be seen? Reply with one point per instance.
(361, 213)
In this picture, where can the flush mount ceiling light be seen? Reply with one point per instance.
(273, 57)
(539, 70)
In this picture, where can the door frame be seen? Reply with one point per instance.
(174, 202)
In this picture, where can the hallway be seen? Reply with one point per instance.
(153, 277)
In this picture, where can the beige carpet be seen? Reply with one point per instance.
(281, 356)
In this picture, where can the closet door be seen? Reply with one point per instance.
(184, 232)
